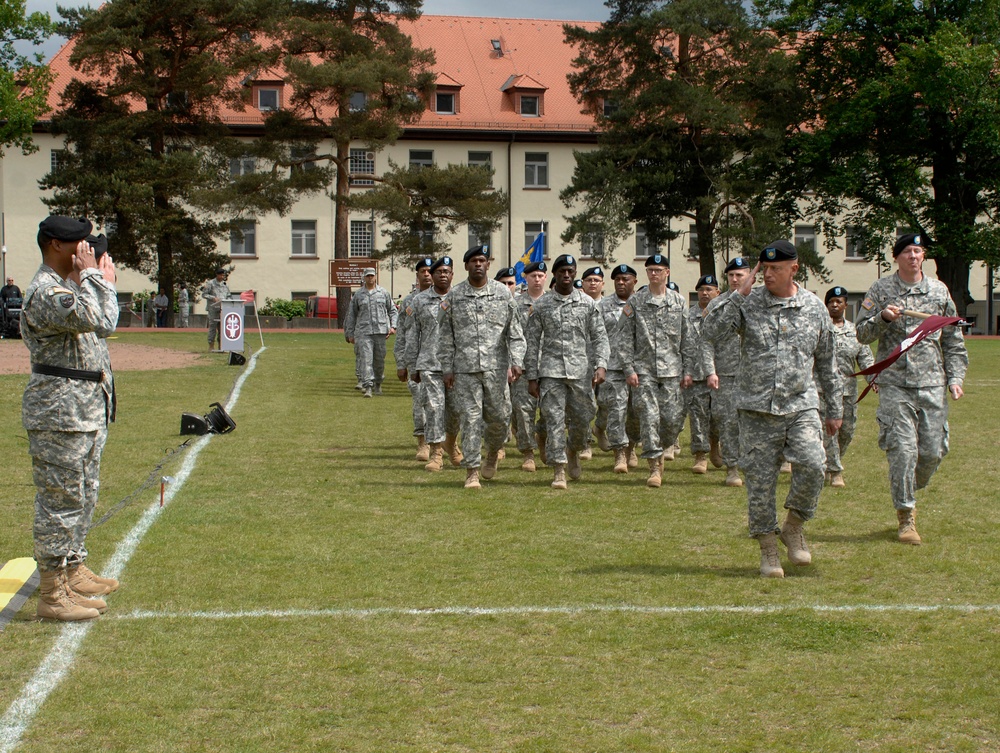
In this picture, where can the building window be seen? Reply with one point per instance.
(531, 231)
(358, 102)
(479, 235)
(694, 250)
(303, 237)
(609, 107)
(268, 99)
(243, 239)
(363, 162)
(361, 238)
(643, 245)
(302, 295)
(592, 245)
(536, 170)
(445, 103)
(481, 159)
(530, 105)
(420, 158)
(805, 237)
(244, 165)
(301, 158)
(855, 243)
(57, 160)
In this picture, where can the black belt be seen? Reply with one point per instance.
(59, 371)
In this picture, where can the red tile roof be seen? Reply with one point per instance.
(535, 58)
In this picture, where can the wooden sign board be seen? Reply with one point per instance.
(349, 273)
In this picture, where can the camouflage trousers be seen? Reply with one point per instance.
(724, 400)
(913, 431)
(66, 467)
(214, 332)
(440, 416)
(615, 407)
(483, 407)
(566, 405)
(764, 440)
(837, 444)
(704, 414)
(419, 400)
(661, 413)
(525, 408)
(370, 363)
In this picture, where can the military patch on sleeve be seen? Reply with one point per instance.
(868, 304)
(409, 310)
(64, 299)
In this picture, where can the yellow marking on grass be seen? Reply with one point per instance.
(13, 576)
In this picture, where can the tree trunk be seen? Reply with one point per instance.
(954, 273)
(706, 241)
(341, 224)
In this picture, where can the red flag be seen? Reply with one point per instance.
(247, 296)
(928, 326)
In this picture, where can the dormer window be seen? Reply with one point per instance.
(268, 98)
(358, 102)
(445, 102)
(526, 95)
(529, 105)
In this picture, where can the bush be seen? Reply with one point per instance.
(283, 307)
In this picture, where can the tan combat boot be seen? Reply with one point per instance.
(88, 602)
(793, 537)
(602, 438)
(733, 476)
(528, 464)
(111, 583)
(489, 468)
(668, 453)
(633, 459)
(78, 580)
(472, 478)
(586, 454)
(55, 601)
(573, 466)
(908, 527)
(559, 477)
(655, 472)
(423, 449)
(837, 480)
(452, 449)
(770, 563)
(700, 463)
(436, 460)
(621, 460)
(786, 467)
(715, 454)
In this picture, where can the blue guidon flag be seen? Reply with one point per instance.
(534, 252)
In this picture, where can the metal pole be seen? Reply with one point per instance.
(990, 323)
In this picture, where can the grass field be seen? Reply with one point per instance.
(283, 600)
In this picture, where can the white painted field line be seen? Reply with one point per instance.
(60, 658)
(564, 610)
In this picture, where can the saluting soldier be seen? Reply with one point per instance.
(371, 318)
(69, 306)
(617, 422)
(423, 270)
(567, 356)
(481, 349)
(528, 432)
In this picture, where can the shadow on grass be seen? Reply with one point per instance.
(750, 572)
(887, 534)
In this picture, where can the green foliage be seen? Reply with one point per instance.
(24, 80)
(416, 202)
(283, 307)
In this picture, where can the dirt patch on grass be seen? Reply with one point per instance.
(124, 357)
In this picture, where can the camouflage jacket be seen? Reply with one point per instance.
(423, 336)
(479, 330)
(852, 357)
(611, 312)
(655, 340)
(702, 366)
(215, 293)
(62, 324)
(786, 347)
(403, 321)
(566, 338)
(370, 313)
(939, 359)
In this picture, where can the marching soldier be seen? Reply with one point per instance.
(371, 318)
(617, 421)
(423, 270)
(701, 383)
(525, 406)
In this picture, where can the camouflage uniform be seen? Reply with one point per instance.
(852, 357)
(786, 348)
(370, 317)
(67, 418)
(566, 343)
(525, 407)
(214, 289)
(403, 325)
(656, 345)
(912, 406)
(615, 410)
(703, 409)
(480, 335)
(725, 358)
(183, 307)
(422, 358)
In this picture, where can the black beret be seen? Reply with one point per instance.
(598, 271)
(708, 280)
(221, 271)
(444, 261)
(836, 292)
(739, 262)
(99, 243)
(64, 228)
(910, 239)
(578, 283)
(658, 260)
(536, 266)
(565, 260)
(425, 263)
(623, 269)
(477, 251)
(506, 272)
(673, 286)
(779, 251)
